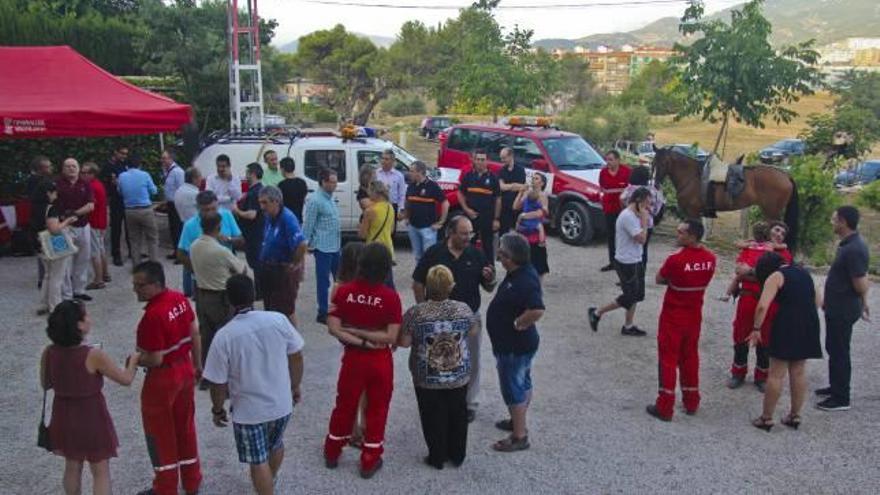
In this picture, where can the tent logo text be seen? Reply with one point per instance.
(11, 126)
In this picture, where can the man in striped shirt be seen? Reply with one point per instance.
(321, 230)
(170, 347)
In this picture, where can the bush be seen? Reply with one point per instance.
(818, 200)
(602, 126)
(869, 197)
(401, 105)
(321, 114)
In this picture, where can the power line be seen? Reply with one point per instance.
(578, 5)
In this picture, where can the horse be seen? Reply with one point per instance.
(768, 187)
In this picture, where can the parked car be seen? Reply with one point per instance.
(780, 151)
(312, 152)
(862, 174)
(431, 126)
(691, 150)
(570, 164)
(635, 152)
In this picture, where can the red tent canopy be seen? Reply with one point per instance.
(53, 91)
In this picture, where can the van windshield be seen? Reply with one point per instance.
(573, 153)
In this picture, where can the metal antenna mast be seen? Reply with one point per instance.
(245, 75)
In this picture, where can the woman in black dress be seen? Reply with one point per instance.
(794, 337)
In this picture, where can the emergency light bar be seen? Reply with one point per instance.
(529, 121)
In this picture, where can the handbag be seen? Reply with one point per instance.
(43, 440)
(57, 246)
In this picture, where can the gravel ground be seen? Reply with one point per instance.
(589, 431)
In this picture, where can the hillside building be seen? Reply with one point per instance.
(612, 69)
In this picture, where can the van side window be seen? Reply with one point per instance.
(463, 140)
(374, 158)
(493, 143)
(525, 150)
(318, 159)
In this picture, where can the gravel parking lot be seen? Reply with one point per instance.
(588, 428)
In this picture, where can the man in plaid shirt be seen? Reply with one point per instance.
(321, 230)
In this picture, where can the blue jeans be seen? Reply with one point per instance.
(421, 239)
(515, 377)
(326, 265)
(187, 282)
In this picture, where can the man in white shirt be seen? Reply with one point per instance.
(255, 360)
(631, 233)
(172, 178)
(395, 181)
(185, 197)
(226, 186)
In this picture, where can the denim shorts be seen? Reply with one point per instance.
(256, 442)
(515, 377)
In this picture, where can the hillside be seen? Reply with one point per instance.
(793, 21)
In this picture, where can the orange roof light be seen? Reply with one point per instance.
(518, 121)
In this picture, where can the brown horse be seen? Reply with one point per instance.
(770, 188)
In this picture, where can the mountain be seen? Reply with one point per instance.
(381, 41)
(793, 21)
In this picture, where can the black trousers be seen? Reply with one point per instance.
(174, 224)
(838, 334)
(443, 413)
(117, 224)
(610, 230)
(507, 220)
(486, 235)
(762, 358)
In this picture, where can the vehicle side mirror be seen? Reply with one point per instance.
(540, 164)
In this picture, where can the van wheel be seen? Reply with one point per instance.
(574, 224)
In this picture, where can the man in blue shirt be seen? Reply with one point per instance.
(281, 254)
(136, 188)
(321, 229)
(173, 178)
(230, 234)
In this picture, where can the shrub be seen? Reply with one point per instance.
(869, 197)
(401, 105)
(602, 126)
(818, 200)
(322, 114)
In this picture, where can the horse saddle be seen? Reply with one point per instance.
(715, 173)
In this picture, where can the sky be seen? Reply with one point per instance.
(550, 20)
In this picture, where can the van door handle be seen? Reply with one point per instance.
(311, 190)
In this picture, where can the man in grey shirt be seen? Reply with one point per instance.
(185, 197)
(846, 300)
(172, 179)
(631, 233)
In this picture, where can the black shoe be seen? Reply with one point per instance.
(171, 256)
(633, 331)
(824, 392)
(652, 410)
(82, 297)
(761, 386)
(117, 261)
(735, 382)
(433, 464)
(607, 268)
(594, 319)
(367, 474)
(322, 319)
(504, 425)
(471, 415)
(331, 463)
(148, 491)
(833, 404)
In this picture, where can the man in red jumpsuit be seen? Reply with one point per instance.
(749, 293)
(686, 274)
(613, 179)
(168, 339)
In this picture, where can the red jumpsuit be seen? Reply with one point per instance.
(363, 305)
(750, 293)
(687, 273)
(167, 398)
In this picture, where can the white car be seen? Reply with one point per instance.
(315, 151)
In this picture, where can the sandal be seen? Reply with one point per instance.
(95, 286)
(763, 423)
(792, 421)
(511, 444)
(107, 278)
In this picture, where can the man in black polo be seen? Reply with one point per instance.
(116, 165)
(423, 197)
(846, 299)
(511, 180)
(470, 270)
(480, 199)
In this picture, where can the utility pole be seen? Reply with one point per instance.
(245, 75)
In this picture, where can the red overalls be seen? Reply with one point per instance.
(360, 304)
(744, 320)
(688, 273)
(167, 398)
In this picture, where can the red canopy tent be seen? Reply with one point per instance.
(53, 91)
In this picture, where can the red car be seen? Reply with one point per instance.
(569, 162)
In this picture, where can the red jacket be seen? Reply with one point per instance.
(612, 186)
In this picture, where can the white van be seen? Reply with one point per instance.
(312, 152)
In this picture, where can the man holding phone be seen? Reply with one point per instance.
(631, 233)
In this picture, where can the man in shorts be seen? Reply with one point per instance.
(98, 223)
(631, 232)
(256, 361)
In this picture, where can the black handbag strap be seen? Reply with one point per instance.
(45, 389)
(384, 222)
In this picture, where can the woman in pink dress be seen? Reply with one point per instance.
(81, 429)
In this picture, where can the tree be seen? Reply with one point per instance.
(658, 87)
(732, 71)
